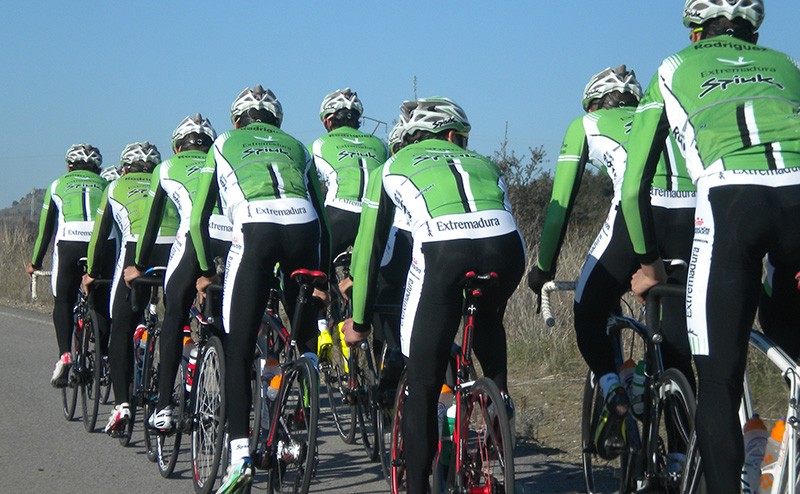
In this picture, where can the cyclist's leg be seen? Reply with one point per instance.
(674, 232)
(124, 322)
(343, 228)
(66, 278)
(779, 307)
(101, 296)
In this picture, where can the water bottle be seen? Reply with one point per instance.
(447, 439)
(274, 387)
(140, 345)
(626, 372)
(190, 365)
(773, 454)
(755, 442)
(637, 389)
(445, 402)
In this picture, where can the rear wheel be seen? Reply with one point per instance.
(398, 459)
(675, 428)
(92, 368)
(168, 444)
(365, 388)
(295, 448)
(69, 394)
(208, 415)
(337, 383)
(384, 440)
(150, 392)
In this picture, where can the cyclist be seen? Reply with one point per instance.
(176, 179)
(601, 137)
(733, 108)
(67, 212)
(273, 198)
(123, 207)
(456, 203)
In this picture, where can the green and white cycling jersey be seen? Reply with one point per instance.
(174, 186)
(344, 158)
(123, 207)
(68, 208)
(730, 105)
(262, 174)
(444, 192)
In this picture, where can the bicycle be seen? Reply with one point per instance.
(785, 478)
(657, 436)
(287, 449)
(481, 457)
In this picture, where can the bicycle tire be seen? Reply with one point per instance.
(692, 479)
(365, 382)
(487, 464)
(678, 405)
(296, 442)
(69, 393)
(384, 442)
(336, 381)
(168, 444)
(149, 392)
(398, 460)
(92, 369)
(257, 408)
(208, 415)
(600, 475)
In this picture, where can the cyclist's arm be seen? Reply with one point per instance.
(648, 136)
(156, 199)
(205, 200)
(103, 224)
(377, 215)
(47, 224)
(569, 170)
(315, 193)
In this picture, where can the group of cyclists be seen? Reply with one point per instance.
(705, 164)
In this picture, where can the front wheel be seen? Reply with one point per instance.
(398, 479)
(208, 415)
(295, 448)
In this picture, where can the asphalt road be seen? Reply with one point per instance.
(41, 452)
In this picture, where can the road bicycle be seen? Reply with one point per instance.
(480, 458)
(658, 436)
(287, 447)
(779, 374)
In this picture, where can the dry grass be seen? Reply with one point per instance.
(16, 246)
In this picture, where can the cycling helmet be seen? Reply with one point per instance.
(699, 11)
(85, 153)
(256, 98)
(395, 139)
(436, 115)
(139, 152)
(338, 100)
(110, 173)
(193, 125)
(609, 80)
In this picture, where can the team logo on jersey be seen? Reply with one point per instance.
(192, 170)
(254, 151)
(343, 155)
(353, 141)
(267, 139)
(723, 83)
(738, 63)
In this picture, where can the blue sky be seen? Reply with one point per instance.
(110, 73)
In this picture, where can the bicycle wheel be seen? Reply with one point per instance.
(398, 459)
(90, 382)
(127, 432)
(600, 475)
(365, 384)
(69, 393)
(336, 384)
(149, 392)
(168, 444)
(692, 480)
(295, 447)
(674, 429)
(208, 415)
(385, 416)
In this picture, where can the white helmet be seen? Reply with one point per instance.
(340, 99)
(699, 11)
(609, 80)
(395, 139)
(256, 98)
(193, 124)
(85, 153)
(436, 115)
(110, 173)
(139, 151)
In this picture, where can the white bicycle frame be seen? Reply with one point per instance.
(784, 470)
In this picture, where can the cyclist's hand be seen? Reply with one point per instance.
(351, 336)
(346, 287)
(201, 285)
(648, 276)
(29, 269)
(537, 278)
(131, 273)
(85, 282)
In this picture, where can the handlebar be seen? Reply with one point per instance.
(544, 299)
(153, 277)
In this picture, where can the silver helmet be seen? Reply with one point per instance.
(436, 115)
(256, 98)
(110, 173)
(609, 80)
(193, 124)
(85, 153)
(139, 151)
(395, 139)
(699, 11)
(340, 99)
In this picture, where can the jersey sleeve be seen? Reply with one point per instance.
(648, 137)
(569, 170)
(156, 199)
(103, 225)
(205, 200)
(377, 215)
(47, 224)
